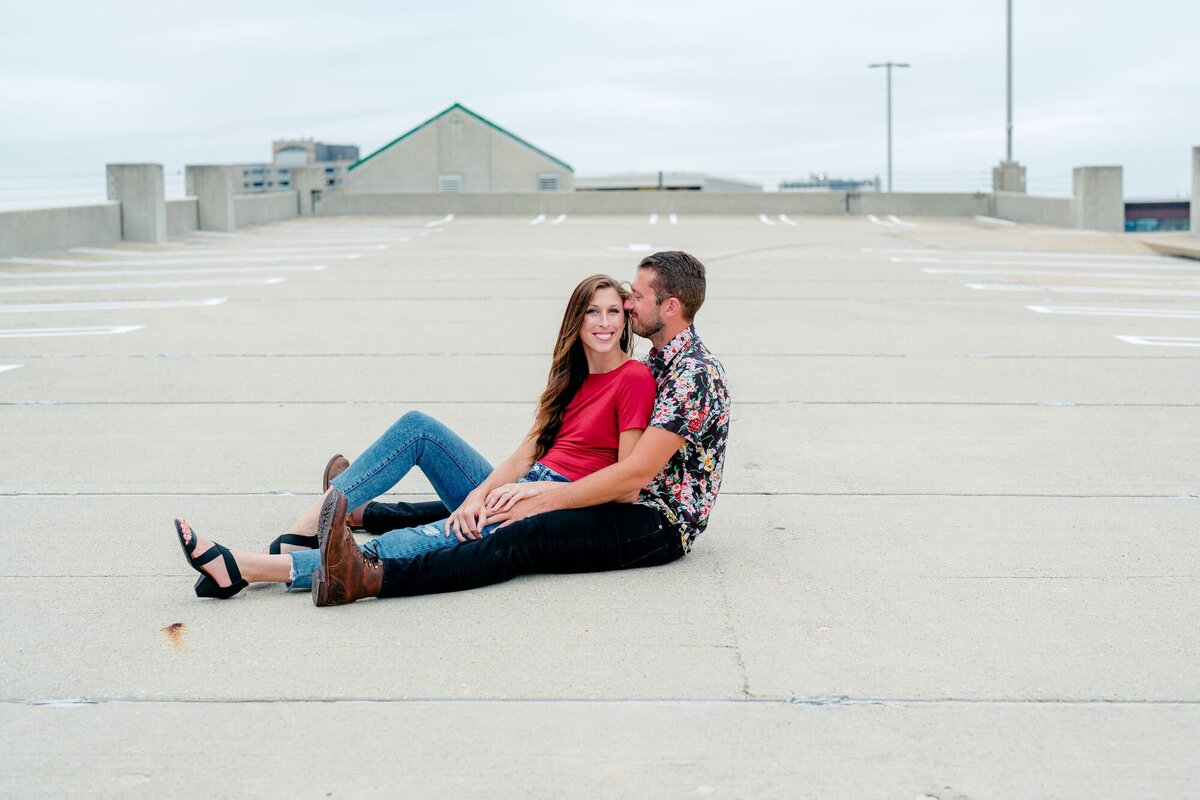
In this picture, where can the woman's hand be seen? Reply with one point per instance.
(502, 498)
(468, 520)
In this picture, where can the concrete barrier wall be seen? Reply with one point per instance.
(724, 203)
(183, 216)
(44, 229)
(919, 204)
(258, 209)
(1057, 211)
(339, 203)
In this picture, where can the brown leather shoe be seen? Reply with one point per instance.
(336, 466)
(346, 573)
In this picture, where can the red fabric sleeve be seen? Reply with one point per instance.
(635, 397)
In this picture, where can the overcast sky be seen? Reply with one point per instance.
(765, 89)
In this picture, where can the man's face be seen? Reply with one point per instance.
(642, 305)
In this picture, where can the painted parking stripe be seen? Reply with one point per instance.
(786, 220)
(1132, 276)
(995, 220)
(1100, 311)
(113, 305)
(1128, 292)
(7, 367)
(443, 221)
(673, 219)
(85, 287)
(653, 219)
(916, 251)
(126, 273)
(1059, 264)
(559, 219)
(765, 220)
(35, 333)
(538, 220)
(878, 221)
(1162, 341)
(899, 221)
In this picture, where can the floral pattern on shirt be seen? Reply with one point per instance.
(692, 402)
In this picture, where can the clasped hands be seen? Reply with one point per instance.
(504, 505)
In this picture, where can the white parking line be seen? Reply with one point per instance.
(1131, 292)
(878, 221)
(1162, 341)
(995, 220)
(7, 367)
(765, 220)
(125, 273)
(163, 262)
(34, 333)
(899, 221)
(444, 220)
(785, 220)
(85, 287)
(1100, 311)
(112, 305)
(558, 220)
(1133, 276)
(1060, 264)
(653, 219)
(673, 219)
(538, 220)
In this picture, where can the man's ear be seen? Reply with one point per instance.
(672, 306)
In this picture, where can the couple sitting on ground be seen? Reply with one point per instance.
(620, 470)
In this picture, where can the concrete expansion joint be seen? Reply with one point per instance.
(819, 701)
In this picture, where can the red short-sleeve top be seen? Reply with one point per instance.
(606, 405)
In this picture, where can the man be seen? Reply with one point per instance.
(580, 526)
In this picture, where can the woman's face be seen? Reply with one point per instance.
(603, 321)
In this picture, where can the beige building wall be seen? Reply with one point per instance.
(456, 143)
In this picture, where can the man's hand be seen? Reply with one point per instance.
(503, 497)
(525, 507)
(468, 520)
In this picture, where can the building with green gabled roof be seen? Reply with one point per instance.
(459, 151)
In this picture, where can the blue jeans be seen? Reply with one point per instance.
(415, 440)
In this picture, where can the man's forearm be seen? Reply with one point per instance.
(613, 483)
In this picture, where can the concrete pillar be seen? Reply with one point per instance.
(1008, 177)
(212, 186)
(139, 190)
(1195, 205)
(1100, 198)
(309, 184)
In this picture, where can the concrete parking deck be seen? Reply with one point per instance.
(954, 556)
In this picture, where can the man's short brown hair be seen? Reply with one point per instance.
(680, 275)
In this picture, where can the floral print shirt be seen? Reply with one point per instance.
(692, 402)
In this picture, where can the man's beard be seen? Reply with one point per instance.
(646, 331)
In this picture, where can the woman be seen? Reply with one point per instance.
(596, 405)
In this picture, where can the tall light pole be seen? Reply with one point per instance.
(889, 65)
(1008, 152)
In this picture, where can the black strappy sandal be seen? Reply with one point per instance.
(295, 539)
(207, 586)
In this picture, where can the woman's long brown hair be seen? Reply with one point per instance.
(569, 368)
